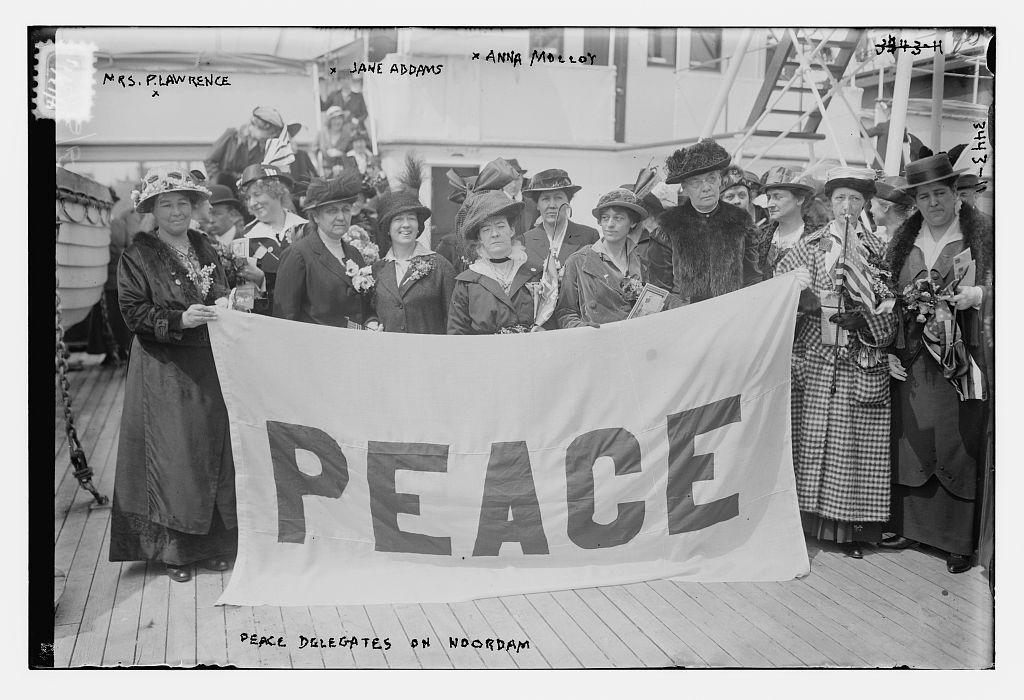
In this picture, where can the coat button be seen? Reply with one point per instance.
(592, 304)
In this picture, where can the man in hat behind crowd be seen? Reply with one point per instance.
(244, 146)
(968, 187)
(227, 215)
(714, 245)
(940, 431)
(552, 191)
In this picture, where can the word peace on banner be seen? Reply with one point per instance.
(394, 468)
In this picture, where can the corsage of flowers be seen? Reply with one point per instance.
(202, 280)
(631, 288)
(517, 328)
(923, 295)
(358, 238)
(420, 266)
(882, 283)
(362, 277)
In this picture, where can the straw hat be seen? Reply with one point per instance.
(162, 181)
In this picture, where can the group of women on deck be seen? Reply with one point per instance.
(173, 500)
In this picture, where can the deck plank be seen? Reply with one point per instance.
(355, 623)
(151, 643)
(539, 633)
(618, 653)
(506, 628)
(327, 625)
(386, 626)
(567, 629)
(971, 586)
(92, 633)
(477, 627)
(417, 627)
(678, 651)
(63, 645)
(181, 622)
(267, 621)
(299, 623)
(446, 625)
(211, 625)
(640, 644)
(82, 569)
(124, 620)
(239, 621)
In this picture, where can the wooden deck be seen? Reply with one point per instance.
(889, 609)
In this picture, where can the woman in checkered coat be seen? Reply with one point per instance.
(842, 459)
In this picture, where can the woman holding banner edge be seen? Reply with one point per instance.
(842, 459)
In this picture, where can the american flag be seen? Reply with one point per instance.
(279, 151)
(852, 272)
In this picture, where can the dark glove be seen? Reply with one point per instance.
(850, 321)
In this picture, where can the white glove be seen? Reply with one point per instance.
(967, 298)
(803, 277)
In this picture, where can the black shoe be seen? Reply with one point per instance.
(181, 574)
(897, 542)
(958, 563)
(853, 550)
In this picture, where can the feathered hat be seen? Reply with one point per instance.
(482, 206)
(702, 157)
(344, 189)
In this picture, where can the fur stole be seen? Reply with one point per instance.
(977, 232)
(707, 251)
(162, 252)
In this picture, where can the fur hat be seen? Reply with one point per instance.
(482, 206)
(620, 197)
(702, 157)
(859, 179)
(161, 181)
(395, 202)
(343, 189)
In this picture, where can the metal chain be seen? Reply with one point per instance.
(83, 473)
(109, 339)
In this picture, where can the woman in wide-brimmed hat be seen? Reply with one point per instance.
(322, 278)
(492, 295)
(842, 455)
(603, 280)
(890, 206)
(939, 481)
(788, 192)
(266, 190)
(413, 283)
(552, 191)
(174, 498)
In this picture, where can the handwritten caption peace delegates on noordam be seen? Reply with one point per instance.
(353, 642)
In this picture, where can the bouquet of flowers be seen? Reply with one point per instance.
(882, 283)
(202, 280)
(517, 328)
(631, 288)
(358, 238)
(420, 266)
(362, 277)
(231, 263)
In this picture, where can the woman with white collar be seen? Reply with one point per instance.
(603, 280)
(413, 287)
(266, 191)
(492, 296)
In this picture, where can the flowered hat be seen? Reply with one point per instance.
(620, 197)
(735, 175)
(893, 189)
(258, 171)
(702, 157)
(550, 180)
(782, 178)
(926, 171)
(161, 181)
(344, 189)
(859, 179)
(483, 205)
(395, 202)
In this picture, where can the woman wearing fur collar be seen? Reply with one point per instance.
(492, 295)
(714, 245)
(941, 424)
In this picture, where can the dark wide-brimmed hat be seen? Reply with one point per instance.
(395, 202)
(860, 179)
(550, 180)
(481, 206)
(702, 157)
(258, 171)
(343, 189)
(926, 171)
(782, 178)
(160, 181)
(515, 164)
(970, 181)
(620, 197)
(221, 194)
(893, 188)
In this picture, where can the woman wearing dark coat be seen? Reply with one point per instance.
(603, 280)
(939, 474)
(322, 279)
(492, 296)
(174, 495)
(413, 284)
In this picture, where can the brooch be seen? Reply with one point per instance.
(177, 282)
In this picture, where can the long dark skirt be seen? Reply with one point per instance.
(935, 516)
(174, 498)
